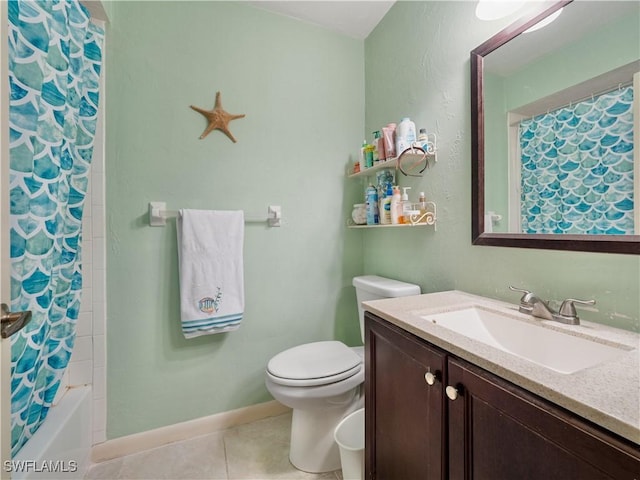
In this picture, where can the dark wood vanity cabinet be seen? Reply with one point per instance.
(404, 421)
(481, 427)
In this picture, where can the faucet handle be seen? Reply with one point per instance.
(568, 309)
(526, 298)
(526, 305)
(516, 289)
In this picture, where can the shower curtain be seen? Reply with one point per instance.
(577, 167)
(55, 56)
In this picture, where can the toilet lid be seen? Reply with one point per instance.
(315, 363)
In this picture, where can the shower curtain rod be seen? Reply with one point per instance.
(609, 89)
(158, 215)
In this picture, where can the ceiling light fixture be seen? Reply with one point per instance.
(545, 21)
(496, 9)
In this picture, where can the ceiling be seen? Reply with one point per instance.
(353, 18)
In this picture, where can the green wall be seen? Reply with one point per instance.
(302, 90)
(417, 64)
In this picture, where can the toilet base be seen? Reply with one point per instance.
(313, 448)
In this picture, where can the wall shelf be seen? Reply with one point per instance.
(381, 165)
(427, 219)
(416, 154)
(353, 225)
(412, 162)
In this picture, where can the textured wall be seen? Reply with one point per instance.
(417, 64)
(301, 89)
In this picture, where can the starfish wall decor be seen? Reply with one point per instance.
(218, 119)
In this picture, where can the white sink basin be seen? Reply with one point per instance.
(550, 348)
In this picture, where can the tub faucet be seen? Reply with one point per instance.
(531, 304)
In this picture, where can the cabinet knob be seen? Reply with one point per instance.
(452, 392)
(430, 378)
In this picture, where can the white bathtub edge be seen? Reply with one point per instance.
(62, 442)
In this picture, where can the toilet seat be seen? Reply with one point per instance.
(312, 364)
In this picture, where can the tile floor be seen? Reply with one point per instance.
(255, 451)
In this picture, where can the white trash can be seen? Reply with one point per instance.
(349, 435)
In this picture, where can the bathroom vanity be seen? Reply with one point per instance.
(441, 405)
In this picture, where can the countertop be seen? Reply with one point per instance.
(607, 394)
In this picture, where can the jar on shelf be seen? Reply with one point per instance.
(359, 214)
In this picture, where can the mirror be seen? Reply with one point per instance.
(553, 122)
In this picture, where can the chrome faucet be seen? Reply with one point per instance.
(531, 304)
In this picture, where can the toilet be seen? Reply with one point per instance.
(322, 382)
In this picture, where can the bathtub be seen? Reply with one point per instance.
(61, 447)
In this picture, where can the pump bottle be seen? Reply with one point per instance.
(396, 206)
(407, 207)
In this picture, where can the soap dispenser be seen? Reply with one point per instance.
(407, 206)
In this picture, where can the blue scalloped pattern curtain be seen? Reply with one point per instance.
(55, 56)
(577, 168)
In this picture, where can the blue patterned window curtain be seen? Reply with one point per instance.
(55, 56)
(577, 168)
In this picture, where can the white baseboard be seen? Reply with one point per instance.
(139, 442)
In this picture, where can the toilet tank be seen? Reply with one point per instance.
(373, 287)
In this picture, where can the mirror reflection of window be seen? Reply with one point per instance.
(576, 167)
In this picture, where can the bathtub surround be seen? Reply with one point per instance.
(87, 365)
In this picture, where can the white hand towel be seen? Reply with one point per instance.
(211, 271)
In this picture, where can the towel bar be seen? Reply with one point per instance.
(158, 215)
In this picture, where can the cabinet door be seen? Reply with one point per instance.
(404, 428)
(498, 431)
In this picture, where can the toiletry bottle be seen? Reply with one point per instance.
(423, 139)
(396, 206)
(385, 211)
(379, 144)
(405, 135)
(407, 206)
(361, 154)
(368, 155)
(371, 201)
(389, 136)
(422, 203)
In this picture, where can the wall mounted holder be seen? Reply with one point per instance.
(158, 215)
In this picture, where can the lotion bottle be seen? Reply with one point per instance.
(396, 206)
(389, 138)
(385, 209)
